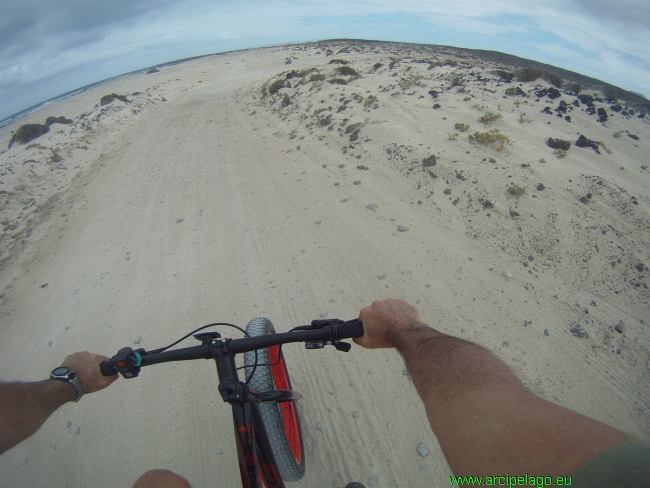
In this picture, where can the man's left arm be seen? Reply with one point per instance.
(24, 407)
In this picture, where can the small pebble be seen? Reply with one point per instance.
(425, 467)
(406, 372)
(137, 340)
(351, 383)
(546, 333)
(388, 359)
(344, 200)
(44, 285)
(303, 251)
(50, 343)
(68, 423)
(389, 425)
(330, 410)
(356, 182)
(219, 451)
(372, 481)
(296, 280)
(2, 295)
(401, 228)
(381, 277)
(323, 315)
(77, 429)
(319, 426)
(331, 392)
(317, 222)
(370, 371)
(355, 415)
(423, 451)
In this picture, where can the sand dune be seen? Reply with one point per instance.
(206, 198)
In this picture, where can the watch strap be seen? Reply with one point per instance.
(72, 378)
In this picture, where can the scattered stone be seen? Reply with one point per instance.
(546, 333)
(179, 220)
(447, 191)
(370, 371)
(406, 372)
(527, 322)
(372, 206)
(351, 383)
(344, 200)
(303, 251)
(317, 222)
(219, 451)
(2, 295)
(640, 267)
(323, 315)
(422, 450)
(619, 327)
(50, 343)
(579, 331)
(433, 93)
(137, 340)
(584, 199)
(68, 423)
(425, 467)
(319, 426)
(358, 182)
(584, 142)
(401, 228)
(372, 481)
(540, 187)
(77, 429)
(44, 285)
(381, 277)
(355, 414)
(547, 110)
(331, 392)
(504, 344)
(436, 106)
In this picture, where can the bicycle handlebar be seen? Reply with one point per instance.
(328, 331)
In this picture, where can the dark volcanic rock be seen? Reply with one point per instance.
(541, 93)
(547, 110)
(616, 108)
(586, 99)
(433, 93)
(584, 142)
(430, 161)
(602, 115)
(553, 93)
(559, 144)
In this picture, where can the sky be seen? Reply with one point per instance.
(48, 48)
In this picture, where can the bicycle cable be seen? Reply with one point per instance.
(300, 327)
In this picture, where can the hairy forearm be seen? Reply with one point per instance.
(26, 406)
(487, 422)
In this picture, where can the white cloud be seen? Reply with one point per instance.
(43, 48)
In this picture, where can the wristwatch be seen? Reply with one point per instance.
(64, 373)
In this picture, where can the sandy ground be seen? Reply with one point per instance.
(202, 200)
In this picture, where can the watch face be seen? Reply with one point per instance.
(60, 371)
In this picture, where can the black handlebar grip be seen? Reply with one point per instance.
(351, 328)
(107, 369)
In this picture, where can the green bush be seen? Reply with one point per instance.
(338, 81)
(517, 190)
(305, 72)
(57, 120)
(275, 86)
(504, 75)
(370, 100)
(488, 118)
(317, 77)
(377, 66)
(286, 100)
(530, 74)
(339, 61)
(28, 132)
(106, 99)
(492, 138)
(515, 91)
(555, 80)
(461, 127)
(346, 71)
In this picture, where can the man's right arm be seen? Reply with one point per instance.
(486, 421)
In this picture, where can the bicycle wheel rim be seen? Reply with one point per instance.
(287, 409)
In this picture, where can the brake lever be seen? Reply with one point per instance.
(341, 346)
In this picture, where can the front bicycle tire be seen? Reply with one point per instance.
(281, 419)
